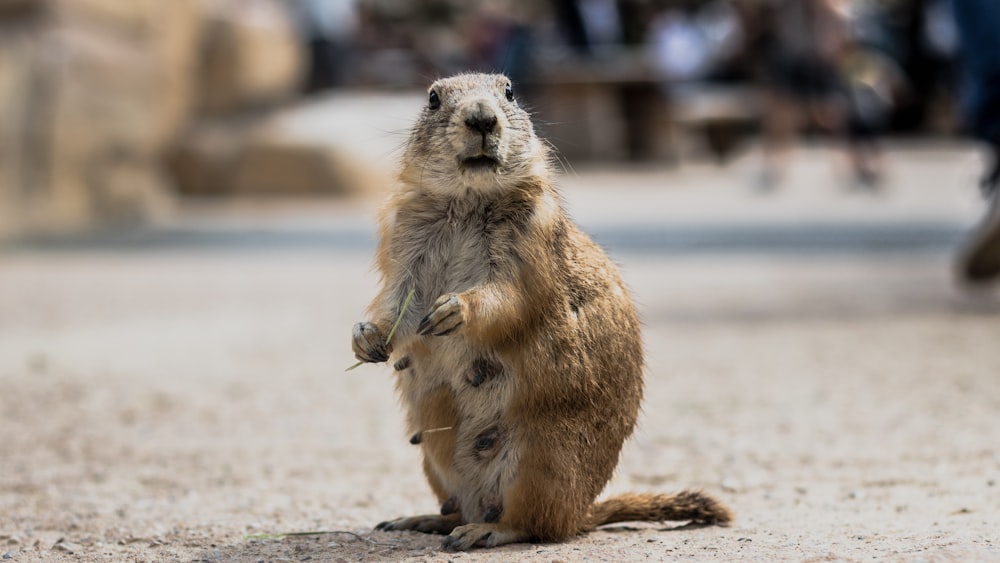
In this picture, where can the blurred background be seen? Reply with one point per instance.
(125, 113)
(188, 191)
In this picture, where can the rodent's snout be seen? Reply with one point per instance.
(480, 116)
(484, 122)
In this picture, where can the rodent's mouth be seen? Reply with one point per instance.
(481, 163)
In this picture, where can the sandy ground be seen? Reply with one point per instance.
(189, 404)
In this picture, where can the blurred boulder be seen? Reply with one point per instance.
(234, 157)
(342, 143)
(95, 95)
(19, 8)
(95, 91)
(202, 160)
(276, 165)
(17, 74)
(251, 57)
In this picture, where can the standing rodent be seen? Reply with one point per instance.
(519, 359)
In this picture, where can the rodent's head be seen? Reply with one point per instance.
(472, 135)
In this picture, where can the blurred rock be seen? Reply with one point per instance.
(236, 157)
(201, 163)
(17, 74)
(19, 8)
(97, 94)
(271, 164)
(97, 90)
(252, 56)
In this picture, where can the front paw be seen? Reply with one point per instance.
(369, 343)
(447, 314)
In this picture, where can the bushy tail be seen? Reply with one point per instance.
(695, 506)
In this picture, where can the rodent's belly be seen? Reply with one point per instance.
(456, 398)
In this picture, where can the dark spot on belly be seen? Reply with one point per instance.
(417, 438)
(487, 442)
(492, 513)
(487, 439)
(402, 363)
(450, 506)
(483, 370)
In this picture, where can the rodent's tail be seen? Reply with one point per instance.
(695, 506)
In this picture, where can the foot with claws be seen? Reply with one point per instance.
(428, 523)
(446, 316)
(464, 538)
(369, 343)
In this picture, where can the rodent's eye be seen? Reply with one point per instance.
(509, 92)
(433, 100)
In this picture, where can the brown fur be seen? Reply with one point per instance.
(519, 360)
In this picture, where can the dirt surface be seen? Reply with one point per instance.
(189, 404)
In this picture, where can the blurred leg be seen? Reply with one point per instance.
(781, 122)
(978, 21)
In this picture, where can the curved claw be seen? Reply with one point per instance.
(482, 535)
(465, 541)
(445, 317)
(428, 524)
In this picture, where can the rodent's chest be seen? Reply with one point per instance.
(450, 252)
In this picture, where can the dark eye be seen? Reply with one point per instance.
(433, 100)
(509, 92)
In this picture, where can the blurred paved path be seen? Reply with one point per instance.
(167, 393)
(927, 205)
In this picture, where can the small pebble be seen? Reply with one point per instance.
(730, 485)
(67, 547)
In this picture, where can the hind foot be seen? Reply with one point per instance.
(469, 536)
(428, 523)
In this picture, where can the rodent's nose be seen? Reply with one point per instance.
(481, 119)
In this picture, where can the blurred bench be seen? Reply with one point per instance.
(618, 107)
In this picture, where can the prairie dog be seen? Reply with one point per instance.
(519, 360)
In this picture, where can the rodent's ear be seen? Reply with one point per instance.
(433, 100)
(509, 92)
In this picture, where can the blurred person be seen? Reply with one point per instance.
(689, 46)
(926, 44)
(803, 81)
(498, 39)
(329, 28)
(679, 47)
(872, 80)
(692, 43)
(589, 26)
(978, 22)
(941, 45)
